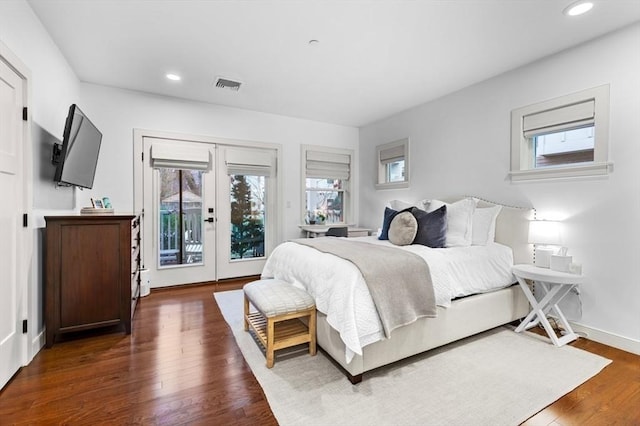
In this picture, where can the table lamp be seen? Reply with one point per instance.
(545, 236)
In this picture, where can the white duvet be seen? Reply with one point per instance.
(342, 295)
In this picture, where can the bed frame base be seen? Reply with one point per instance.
(354, 379)
(466, 317)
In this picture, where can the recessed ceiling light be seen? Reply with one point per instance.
(578, 8)
(314, 42)
(174, 77)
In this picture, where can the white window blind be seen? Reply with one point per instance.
(393, 154)
(320, 164)
(172, 155)
(570, 116)
(250, 162)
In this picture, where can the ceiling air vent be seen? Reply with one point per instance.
(225, 83)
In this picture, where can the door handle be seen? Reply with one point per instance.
(209, 219)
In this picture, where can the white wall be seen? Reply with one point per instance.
(117, 112)
(54, 87)
(460, 145)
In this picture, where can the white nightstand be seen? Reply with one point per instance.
(555, 285)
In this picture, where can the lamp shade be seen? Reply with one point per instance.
(544, 232)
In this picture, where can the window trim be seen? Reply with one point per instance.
(347, 183)
(381, 182)
(522, 150)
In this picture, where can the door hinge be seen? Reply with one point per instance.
(24, 326)
(25, 114)
(143, 157)
(25, 220)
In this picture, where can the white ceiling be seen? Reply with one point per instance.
(374, 58)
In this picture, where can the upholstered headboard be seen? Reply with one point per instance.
(512, 228)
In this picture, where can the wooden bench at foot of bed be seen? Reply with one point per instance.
(277, 324)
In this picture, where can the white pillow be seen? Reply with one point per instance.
(484, 225)
(432, 205)
(424, 205)
(459, 221)
(399, 205)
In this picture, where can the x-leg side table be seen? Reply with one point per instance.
(556, 285)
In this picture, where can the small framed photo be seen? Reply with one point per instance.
(106, 203)
(97, 203)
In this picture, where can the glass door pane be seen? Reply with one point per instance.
(247, 216)
(180, 222)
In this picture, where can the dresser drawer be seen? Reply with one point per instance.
(135, 287)
(135, 263)
(135, 258)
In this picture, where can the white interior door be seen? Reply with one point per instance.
(13, 282)
(179, 211)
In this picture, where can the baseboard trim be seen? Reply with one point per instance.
(607, 338)
(36, 345)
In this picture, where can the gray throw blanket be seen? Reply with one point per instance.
(399, 281)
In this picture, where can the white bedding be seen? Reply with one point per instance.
(342, 295)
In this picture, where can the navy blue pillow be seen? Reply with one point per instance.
(389, 214)
(432, 227)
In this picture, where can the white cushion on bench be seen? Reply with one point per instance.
(276, 297)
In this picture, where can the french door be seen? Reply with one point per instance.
(209, 209)
(179, 221)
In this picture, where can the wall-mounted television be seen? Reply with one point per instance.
(77, 157)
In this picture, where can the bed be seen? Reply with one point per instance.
(473, 291)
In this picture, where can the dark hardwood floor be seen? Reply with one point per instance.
(181, 365)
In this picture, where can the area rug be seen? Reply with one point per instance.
(495, 378)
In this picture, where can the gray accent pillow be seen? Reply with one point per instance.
(432, 227)
(403, 229)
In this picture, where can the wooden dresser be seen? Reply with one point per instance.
(92, 272)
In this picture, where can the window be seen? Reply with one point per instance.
(180, 221)
(248, 171)
(247, 216)
(563, 137)
(566, 147)
(327, 174)
(393, 164)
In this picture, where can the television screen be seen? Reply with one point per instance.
(79, 154)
